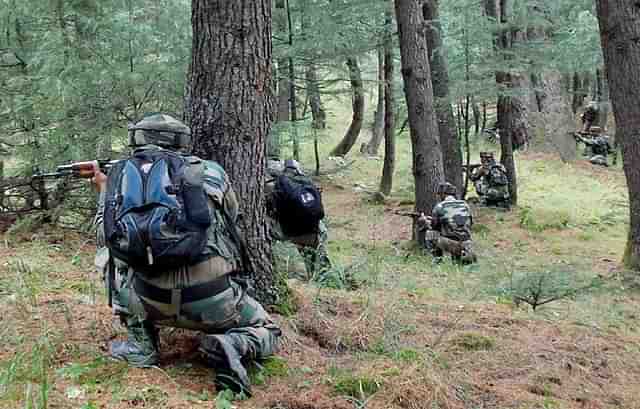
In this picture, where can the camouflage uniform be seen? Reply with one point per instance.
(312, 246)
(597, 148)
(449, 230)
(206, 296)
(490, 192)
(590, 116)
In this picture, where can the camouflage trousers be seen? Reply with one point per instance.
(438, 245)
(160, 300)
(600, 160)
(312, 247)
(492, 195)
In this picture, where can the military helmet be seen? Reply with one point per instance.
(293, 165)
(446, 188)
(162, 130)
(486, 157)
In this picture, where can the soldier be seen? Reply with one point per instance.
(590, 116)
(491, 182)
(597, 148)
(207, 294)
(311, 240)
(449, 227)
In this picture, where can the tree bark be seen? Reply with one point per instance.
(416, 72)
(353, 132)
(451, 153)
(386, 182)
(319, 116)
(230, 110)
(377, 128)
(511, 110)
(619, 34)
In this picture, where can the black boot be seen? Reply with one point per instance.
(225, 353)
(141, 347)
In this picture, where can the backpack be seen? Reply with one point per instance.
(497, 176)
(156, 213)
(298, 205)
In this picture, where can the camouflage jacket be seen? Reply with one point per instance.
(453, 219)
(221, 250)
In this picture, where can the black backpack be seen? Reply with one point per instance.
(156, 213)
(298, 205)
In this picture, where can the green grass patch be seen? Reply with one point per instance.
(359, 387)
(474, 342)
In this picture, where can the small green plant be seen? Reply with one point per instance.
(540, 288)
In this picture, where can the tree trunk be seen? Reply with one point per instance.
(476, 116)
(556, 117)
(428, 169)
(319, 116)
(353, 132)
(386, 182)
(293, 107)
(377, 128)
(231, 111)
(619, 33)
(580, 88)
(511, 110)
(451, 153)
(507, 120)
(602, 98)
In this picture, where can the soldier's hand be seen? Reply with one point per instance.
(424, 221)
(99, 179)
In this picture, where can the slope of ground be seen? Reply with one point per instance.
(413, 335)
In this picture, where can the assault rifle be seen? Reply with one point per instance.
(471, 167)
(79, 170)
(414, 215)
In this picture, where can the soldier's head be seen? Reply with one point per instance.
(446, 189)
(161, 130)
(293, 166)
(486, 157)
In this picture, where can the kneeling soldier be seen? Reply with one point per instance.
(449, 227)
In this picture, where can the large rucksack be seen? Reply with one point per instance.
(497, 176)
(156, 214)
(298, 205)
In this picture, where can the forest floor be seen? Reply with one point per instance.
(411, 335)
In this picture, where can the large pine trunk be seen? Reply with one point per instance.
(350, 138)
(451, 153)
(416, 72)
(230, 109)
(619, 33)
(386, 182)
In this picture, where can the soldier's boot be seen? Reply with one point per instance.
(141, 347)
(225, 353)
